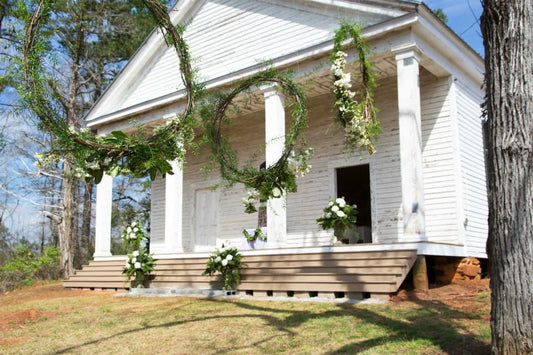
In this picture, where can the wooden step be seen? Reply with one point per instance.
(354, 271)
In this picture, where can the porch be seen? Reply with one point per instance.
(353, 272)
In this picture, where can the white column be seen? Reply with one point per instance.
(174, 209)
(275, 142)
(104, 200)
(409, 116)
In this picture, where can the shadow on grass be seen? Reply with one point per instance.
(433, 323)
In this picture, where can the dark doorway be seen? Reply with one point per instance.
(353, 183)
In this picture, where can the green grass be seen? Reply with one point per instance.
(75, 322)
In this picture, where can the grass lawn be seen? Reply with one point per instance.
(47, 319)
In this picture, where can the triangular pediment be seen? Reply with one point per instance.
(228, 36)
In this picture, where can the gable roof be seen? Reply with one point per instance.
(228, 36)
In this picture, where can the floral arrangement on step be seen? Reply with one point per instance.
(339, 216)
(139, 263)
(225, 261)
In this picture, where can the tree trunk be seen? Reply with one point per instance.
(65, 230)
(507, 32)
(85, 234)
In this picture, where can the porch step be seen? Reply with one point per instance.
(376, 272)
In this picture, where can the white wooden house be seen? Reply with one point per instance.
(422, 193)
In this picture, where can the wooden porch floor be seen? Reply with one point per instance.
(350, 274)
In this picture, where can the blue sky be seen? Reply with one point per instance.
(463, 18)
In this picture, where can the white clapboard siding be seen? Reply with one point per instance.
(439, 154)
(473, 168)
(315, 189)
(157, 211)
(226, 36)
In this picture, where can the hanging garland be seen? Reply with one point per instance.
(358, 119)
(141, 154)
(138, 154)
(274, 180)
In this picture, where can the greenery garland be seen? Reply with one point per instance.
(258, 233)
(280, 177)
(358, 119)
(138, 154)
(141, 154)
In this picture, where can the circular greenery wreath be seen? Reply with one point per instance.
(138, 154)
(271, 181)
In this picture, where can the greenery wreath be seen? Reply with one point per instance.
(273, 180)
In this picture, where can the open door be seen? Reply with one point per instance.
(353, 183)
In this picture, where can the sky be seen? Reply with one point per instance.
(463, 18)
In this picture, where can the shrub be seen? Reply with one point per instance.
(24, 268)
(48, 265)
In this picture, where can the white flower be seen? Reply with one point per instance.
(341, 54)
(340, 201)
(135, 229)
(335, 208)
(224, 262)
(341, 214)
(217, 259)
(328, 215)
(127, 264)
(135, 253)
(132, 235)
(276, 192)
(133, 260)
(137, 265)
(229, 257)
(343, 82)
(133, 224)
(330, 203)
(128, 230)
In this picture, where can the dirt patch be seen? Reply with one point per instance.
(468, 295)
(40, 290)
(10, 341)
(20, 318)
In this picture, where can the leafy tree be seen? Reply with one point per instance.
(88, 43)
(507, 28)
(441, 14)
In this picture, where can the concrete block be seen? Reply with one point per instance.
(380, 296)
(354, 295)
(260, 294)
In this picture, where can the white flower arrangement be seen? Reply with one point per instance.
(357, 118)
(297, 163)
(250, 201)
(139, 263)
(227, 262)
(338, 215)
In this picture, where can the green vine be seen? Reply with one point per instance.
(258, 233)
(358, 119)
